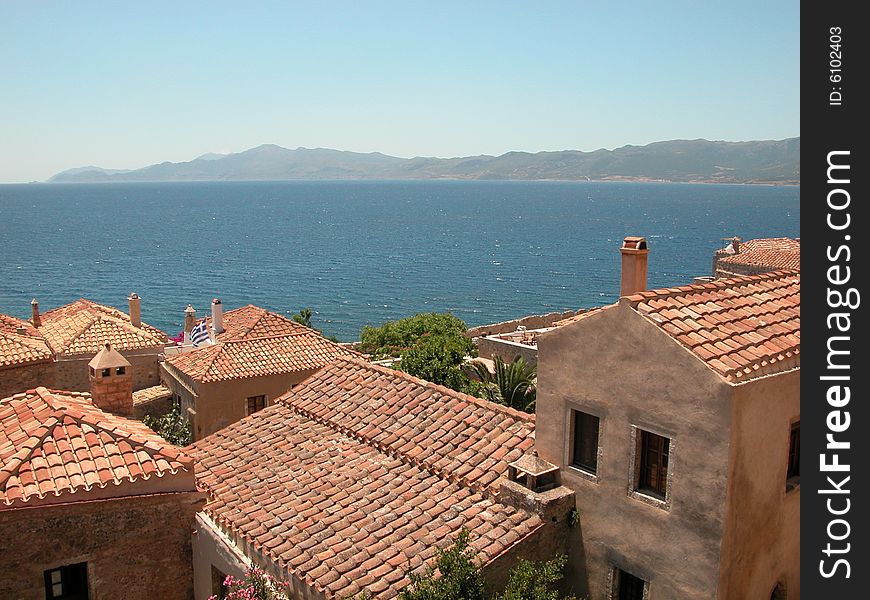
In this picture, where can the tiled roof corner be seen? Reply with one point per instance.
(83, 327)
(743, 327)
(774, 254)
(58, 443)
(21, 343)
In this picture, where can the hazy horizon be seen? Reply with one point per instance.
(123, 87)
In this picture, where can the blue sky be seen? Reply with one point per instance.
(123, 85)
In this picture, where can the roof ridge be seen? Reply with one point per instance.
(717, 285)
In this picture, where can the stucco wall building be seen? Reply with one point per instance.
(674, 415)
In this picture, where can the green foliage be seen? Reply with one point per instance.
(431, 346)
(303, 317)
(439, 358)
(512, 384)
(573, 517)
(534, 580)
(457, 576)
(460, 577)
(172, 426)
(395, 337)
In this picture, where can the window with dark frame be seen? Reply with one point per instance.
(653, 455)
(256, 403)
(585, 451)
(120, 370)
(793, 474)
(107, 372)
(628, 587)
(69, 582)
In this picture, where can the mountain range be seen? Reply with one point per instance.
(769, 161)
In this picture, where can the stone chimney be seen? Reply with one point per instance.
(189, 318)
(34, 309)
(533, 484)
(634, 261)
(135, 309)
(111, 381)
(217, 316)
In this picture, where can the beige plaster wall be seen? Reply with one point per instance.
(625, 370)
(762, 525)
(221, 403)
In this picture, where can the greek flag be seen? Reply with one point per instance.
(199, 334)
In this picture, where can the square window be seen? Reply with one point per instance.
(67, 583)
(256, 403)
(107, 372)
(585, 446)
(793, 473)
(651, 469)
(120, 370)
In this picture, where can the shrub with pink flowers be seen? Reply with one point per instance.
(255, 585)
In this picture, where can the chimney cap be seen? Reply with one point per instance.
(133, 296)
(634, 243)
(189, 309)
(34, 302)
(216, 301)
(108, 357)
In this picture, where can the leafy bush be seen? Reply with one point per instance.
(172, 426)
(395, 337)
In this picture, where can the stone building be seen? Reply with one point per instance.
(755, 257)
(257, 356)
(674, 415)
(355, 477)
(54, 348)
(92, 505)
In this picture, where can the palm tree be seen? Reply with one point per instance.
(513, 384)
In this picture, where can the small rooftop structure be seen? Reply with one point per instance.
(754, 257)
(108, 358)
(58, 447)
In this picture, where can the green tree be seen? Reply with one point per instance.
(458, 575)
(303, 317)
(171, 426)
(534, 580)
(513, 384)
(395, 337)
(431, 346)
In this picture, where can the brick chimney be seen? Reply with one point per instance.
(34, 309)
(217, 316)
(634, 261)
(135, 309)
(111, 381)
(189, 318)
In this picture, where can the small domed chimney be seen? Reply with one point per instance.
(634, 263)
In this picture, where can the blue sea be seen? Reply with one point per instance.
(362, 253)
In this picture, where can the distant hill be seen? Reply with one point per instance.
(677, 160)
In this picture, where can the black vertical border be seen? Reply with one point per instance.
(827, 126)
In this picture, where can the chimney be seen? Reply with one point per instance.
(135, 309)
(217, 316)
(34, 309)
(634, 260)
(735, 243)
(111, 381)
(189, 319)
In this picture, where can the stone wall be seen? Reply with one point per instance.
(71, 373)
(529, 322)
(19, 379)
(135, 547)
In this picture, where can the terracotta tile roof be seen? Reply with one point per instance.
(459, 436)
(21, 343)
(149, 394)
(581, 316)
(254, 322)
(773, 254)
(55, 444)
(312, 490)
(258, 357)
(83, 327)
(743, 328)
(257, 342)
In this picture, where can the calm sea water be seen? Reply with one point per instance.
(364, 252)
